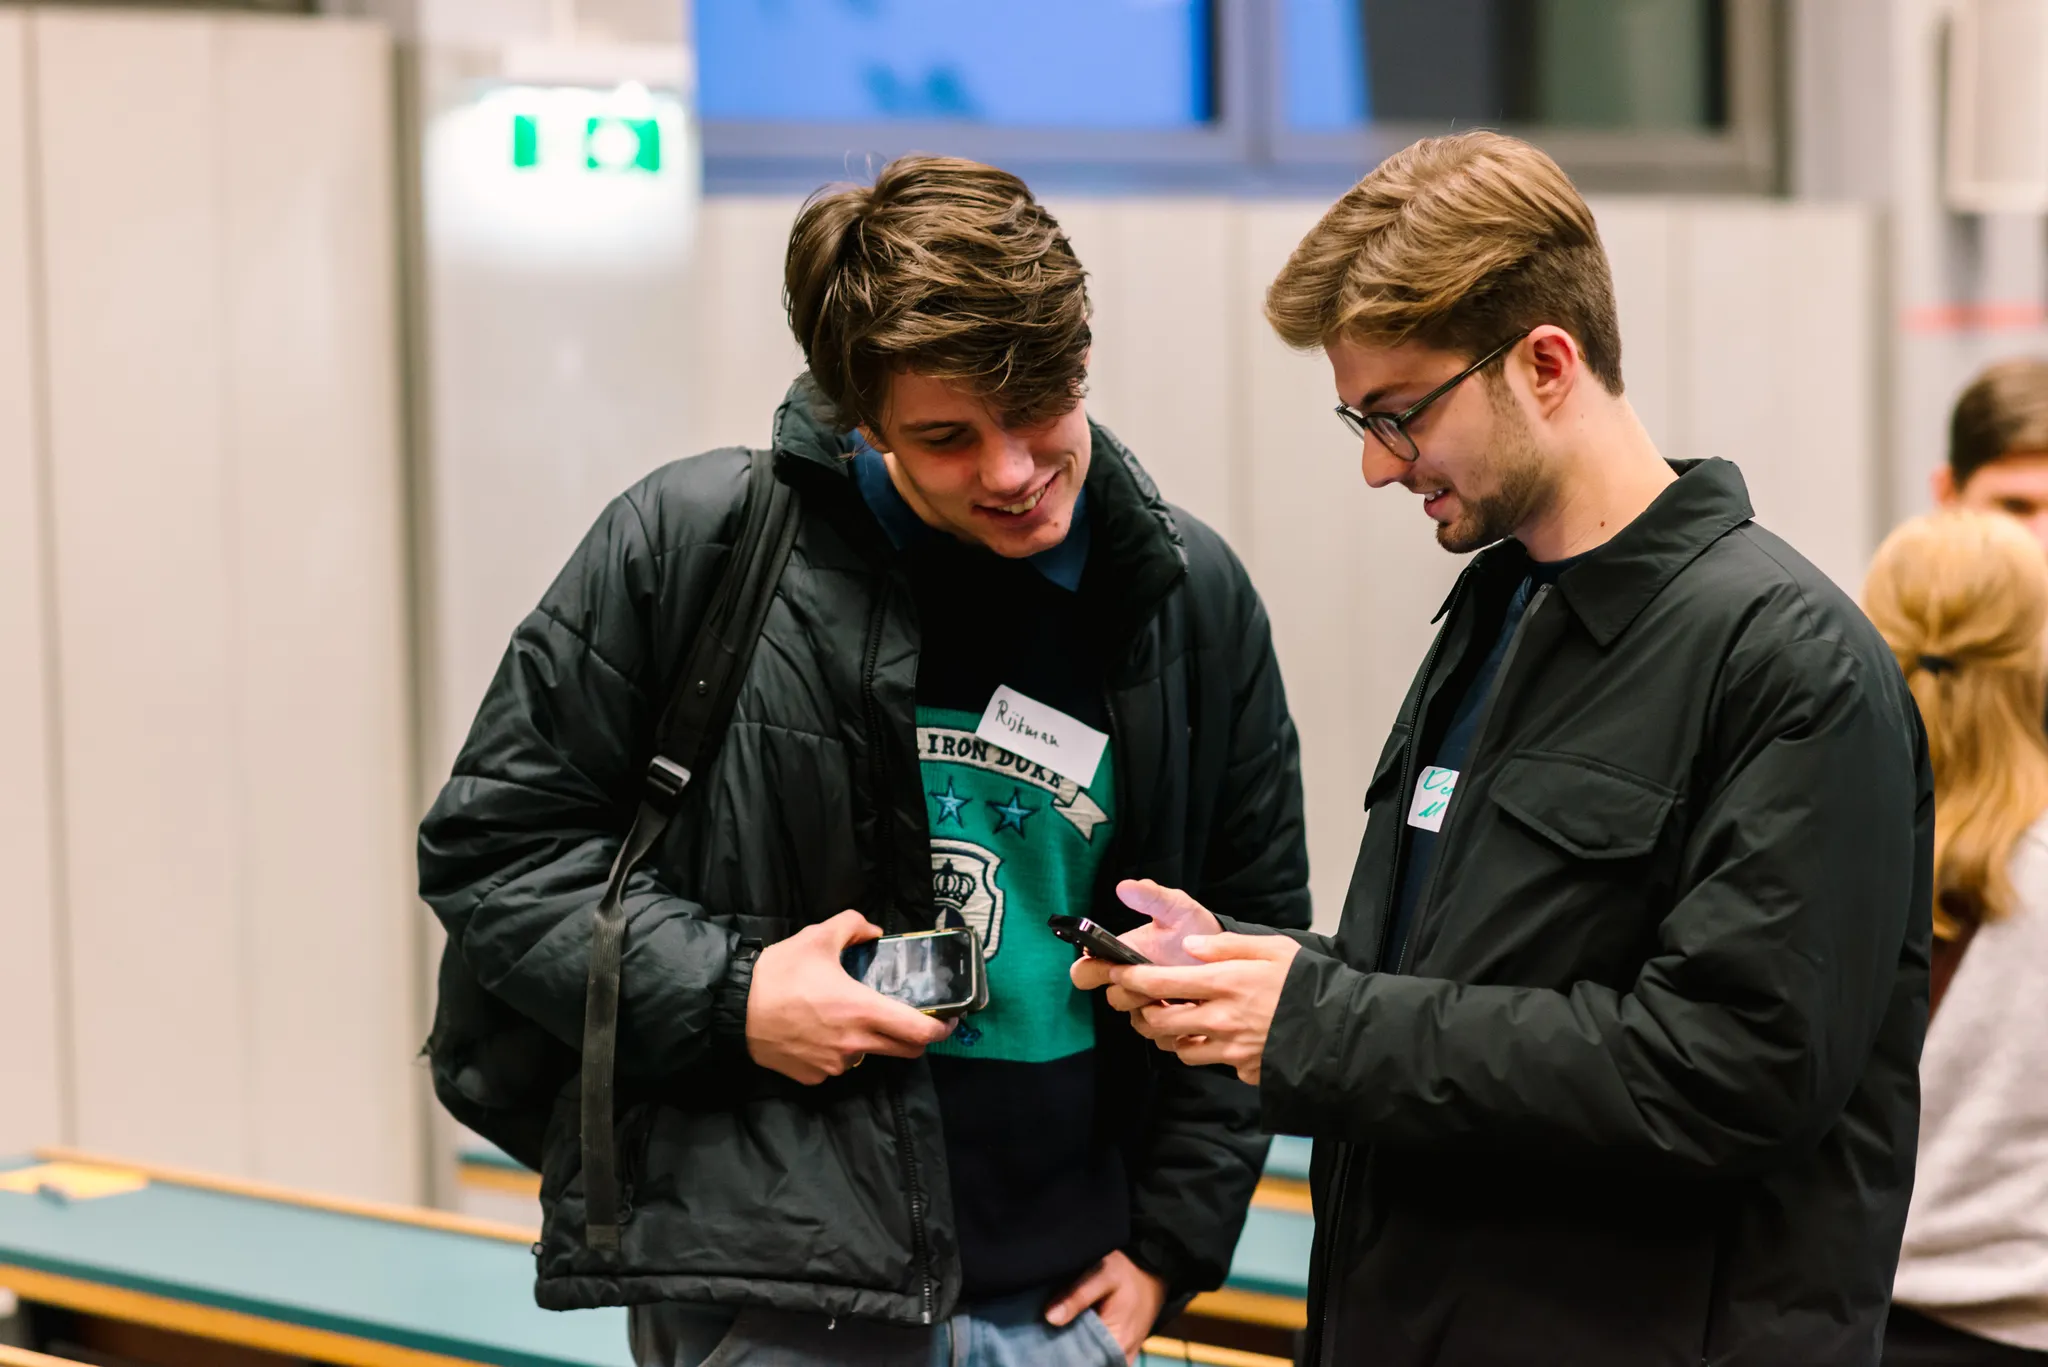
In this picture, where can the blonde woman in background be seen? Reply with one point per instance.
(1962, 598)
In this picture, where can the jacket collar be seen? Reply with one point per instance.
(1135, 557)
(1612, 585)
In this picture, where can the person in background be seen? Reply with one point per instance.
(1962, 599)
(1032, 1189)
(1998, 446)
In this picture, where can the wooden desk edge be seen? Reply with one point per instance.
(22, 1357)
(1204, 1354)
(1284, 1193)
(1252, 1307)
(268, 1191)
(205, 1321)
(492, 1177)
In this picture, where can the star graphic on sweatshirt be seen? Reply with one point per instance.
(1010, 815)
(950, 804)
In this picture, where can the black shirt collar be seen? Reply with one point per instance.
(1609, 586)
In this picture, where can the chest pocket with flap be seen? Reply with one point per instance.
(1584, 808)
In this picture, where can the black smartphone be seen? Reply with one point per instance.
(1099, 943)
(940, 972)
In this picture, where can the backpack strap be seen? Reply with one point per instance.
(685, 741)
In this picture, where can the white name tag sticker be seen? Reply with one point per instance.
(1044, 735)
(1432, 798)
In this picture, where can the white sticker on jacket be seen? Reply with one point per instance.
(1045, 735)
(1432, 796)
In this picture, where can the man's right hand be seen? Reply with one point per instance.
(1174, 916)
(809, 1019)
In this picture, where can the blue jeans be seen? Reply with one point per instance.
(1008, 1332)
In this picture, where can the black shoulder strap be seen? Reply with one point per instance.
(686, 740)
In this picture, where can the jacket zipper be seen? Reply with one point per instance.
(1507, 663)
(1341, 1174)
(920, 1247)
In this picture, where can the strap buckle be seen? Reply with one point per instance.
(665, 780)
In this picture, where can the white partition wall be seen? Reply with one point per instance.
(1169, 353)
(324, 720)
(1779, 344)
(140, 495)
(1641, 237)
(32, 1074)
(214, 208)
(741, 354)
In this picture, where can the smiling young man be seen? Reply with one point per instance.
(817, 1174)
(1612, 1059)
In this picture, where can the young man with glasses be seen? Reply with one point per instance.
(1612, 1059)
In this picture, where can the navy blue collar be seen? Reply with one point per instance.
(1062, 564)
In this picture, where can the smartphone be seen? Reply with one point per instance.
(1097, 942)
(939, 972)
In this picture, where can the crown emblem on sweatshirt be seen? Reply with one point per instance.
(952, 889)
(965, 891)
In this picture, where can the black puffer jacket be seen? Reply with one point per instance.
(1644, 1092)
(746, 1188)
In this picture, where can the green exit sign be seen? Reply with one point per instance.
(610, 142)
(615, 144)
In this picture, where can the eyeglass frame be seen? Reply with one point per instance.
(1362, 425)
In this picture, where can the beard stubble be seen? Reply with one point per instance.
(1517, 476)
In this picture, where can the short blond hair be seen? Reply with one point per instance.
(1457, 242)
(1962, 598)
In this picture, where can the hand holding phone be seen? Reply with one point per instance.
(1094, 940)
(1174, 916)
(809, 1021)
(939, 972)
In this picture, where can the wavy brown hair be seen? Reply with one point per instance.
(1457, 242)
(944, 267)
(1962, 598)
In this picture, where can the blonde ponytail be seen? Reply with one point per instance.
(1962, 599)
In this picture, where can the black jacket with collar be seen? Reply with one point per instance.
(1644, 1091)
(746, 1188)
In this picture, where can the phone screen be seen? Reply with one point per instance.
(932, 970)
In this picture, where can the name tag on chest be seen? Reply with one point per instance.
(1432, 798)
(1044, 735)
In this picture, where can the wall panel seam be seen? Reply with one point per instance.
(42, 460)
(1679, 284)
(237, 616)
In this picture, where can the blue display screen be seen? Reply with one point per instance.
(1323, 46)
(1644, 65)
(1100, 64)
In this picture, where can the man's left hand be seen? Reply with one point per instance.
(1219, 1011)
(1125, 1296)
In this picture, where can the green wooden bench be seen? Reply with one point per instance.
(345, 1282)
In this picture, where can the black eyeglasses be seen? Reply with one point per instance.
(1392, 428)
